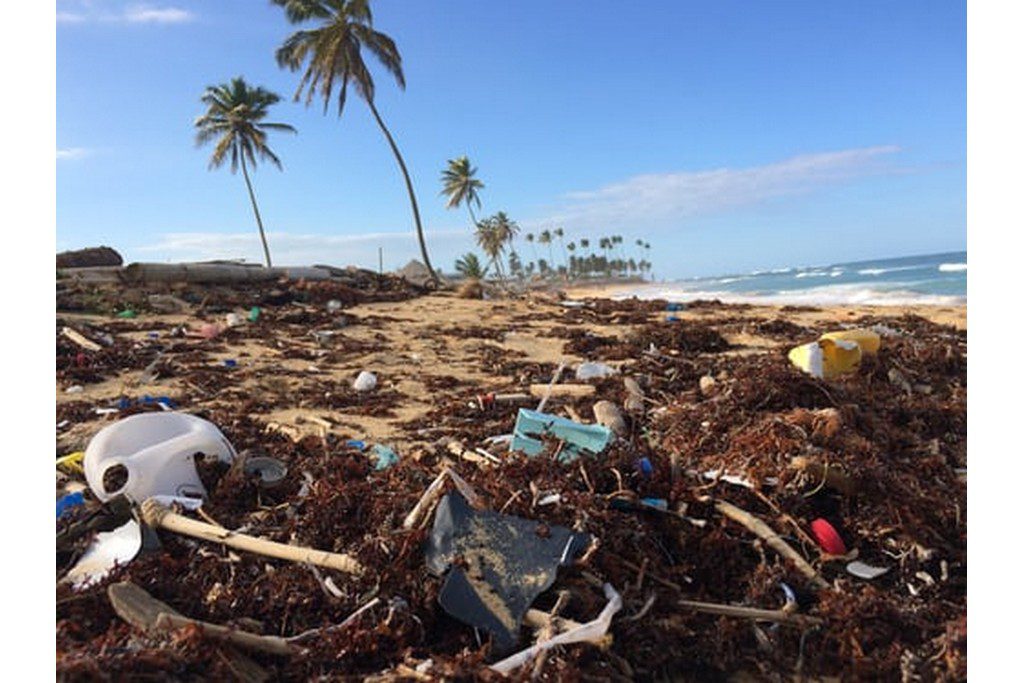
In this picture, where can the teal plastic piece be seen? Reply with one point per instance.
(578, 438)
(385, 457)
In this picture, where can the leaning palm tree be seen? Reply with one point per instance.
(234, 117)
(460, 185)
(332, 52)
(491, 239)
(506, 227)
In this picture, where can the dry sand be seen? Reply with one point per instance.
(414, 343)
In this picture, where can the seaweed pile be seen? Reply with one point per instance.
(880, 454)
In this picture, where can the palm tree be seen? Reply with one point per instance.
(234, 117)
(506, 227)
(529, 238)
(572, 258)
(469, 266)
(460, 185)
(334, 53)
(560, 234)
(545, 238)
(491, 239)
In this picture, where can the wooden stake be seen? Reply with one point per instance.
(156, 515)
(776, 615)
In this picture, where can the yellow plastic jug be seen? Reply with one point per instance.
(867, 340)
(827, 358)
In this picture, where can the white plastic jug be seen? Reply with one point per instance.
(157, 451)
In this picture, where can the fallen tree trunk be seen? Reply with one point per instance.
(138, 273)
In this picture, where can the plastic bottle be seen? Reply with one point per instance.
(156, 450)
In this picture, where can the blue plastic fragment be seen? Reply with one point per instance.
(645, 467)
(578, 438)
(675, 306)
(230, 362)
(657, 503)
(385, 457)
(354, 443)
(672, 319)
(69, 501)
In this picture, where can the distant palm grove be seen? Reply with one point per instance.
(329, 54)
(496, 234)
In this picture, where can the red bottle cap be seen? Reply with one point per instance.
(828, 538)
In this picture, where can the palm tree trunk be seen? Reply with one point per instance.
(255, 210)
(472, 216)
(408, 186)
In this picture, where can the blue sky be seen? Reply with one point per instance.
(731, 135)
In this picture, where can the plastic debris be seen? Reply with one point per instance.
(382, 457)
(127, 313)
(504, 564)
(865, 571)
(69, 501)
(835, 353)
(209, 330)
(531, 425)
(254, 314)
(644, 467)
(152, 454)
(366, 381)
(827, 537)
(76, 389)
(333, 306)
(230, 363)
(827, 358)
(271, 471)
(608, 415)
(72, 461)
(585, 371)
(232, 320)
(868, 340)
(591, 632)
(108, 550)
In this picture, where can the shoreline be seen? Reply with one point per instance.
(955, 314)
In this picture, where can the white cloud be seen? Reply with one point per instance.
(79, 11)
(670, 197)
(143, 14)
(69, 153)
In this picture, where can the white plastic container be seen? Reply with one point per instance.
(157, 451)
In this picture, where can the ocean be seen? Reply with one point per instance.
(935, 279)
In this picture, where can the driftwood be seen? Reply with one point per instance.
(769, 536)
(80, 339)
(136, 273)
(556, 390)
(156, 515)
(776, 615)
(144, 612)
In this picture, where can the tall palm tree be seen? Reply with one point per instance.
(333, 51)
(234, 117)
(545, 238)
(460, 185)
(529, 238)
(560, 234)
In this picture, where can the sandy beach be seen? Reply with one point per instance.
(723, 422)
